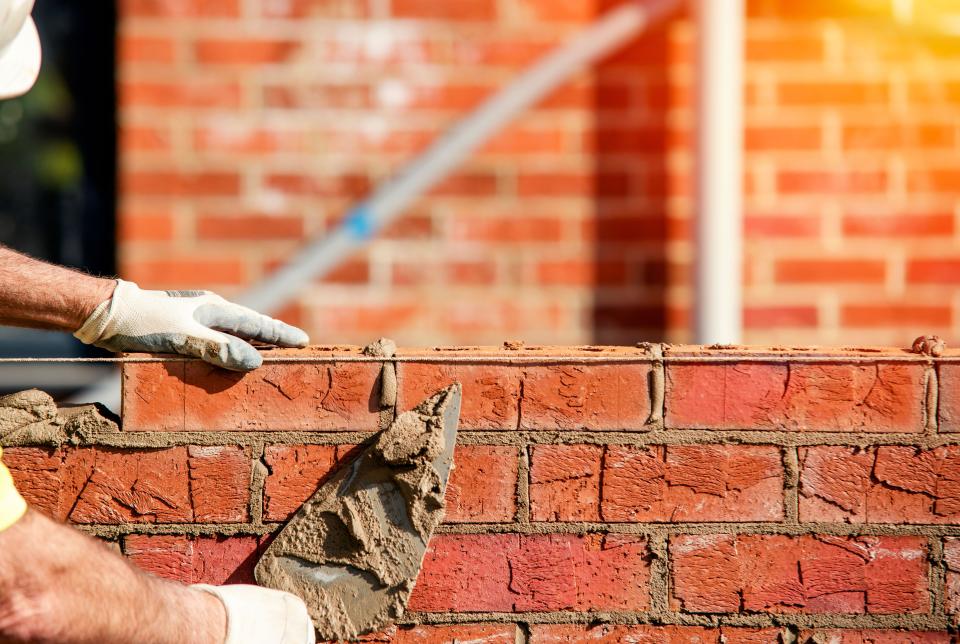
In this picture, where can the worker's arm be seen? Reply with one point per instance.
(43, 296)
(119, 316)
(57, 585)
(62, 587)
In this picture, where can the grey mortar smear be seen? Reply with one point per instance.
(353, 551)
(32, 417)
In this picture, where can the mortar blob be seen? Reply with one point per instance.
(353, 551)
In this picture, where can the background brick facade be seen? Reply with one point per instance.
(654, 509)
(250, 125)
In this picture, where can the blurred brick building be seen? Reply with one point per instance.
(248, 126)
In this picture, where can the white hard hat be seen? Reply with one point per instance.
(19, 48)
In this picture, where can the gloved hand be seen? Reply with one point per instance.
(185, 322)
(258, 615)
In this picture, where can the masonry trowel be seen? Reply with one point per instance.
(353, 551)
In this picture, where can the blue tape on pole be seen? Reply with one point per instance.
(359, 223)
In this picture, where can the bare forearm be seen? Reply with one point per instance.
(57, 585)
(45, 296)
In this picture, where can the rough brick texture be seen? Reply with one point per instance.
(951, 556)
(275, 397)
(492, 572)
(115, 486)
(606, 634)
(671, 483)
(803, 397)
(888, 484)
(724, 573)
(661, 494)
(948, 407)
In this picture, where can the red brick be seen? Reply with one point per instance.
(507, 230)
(193, 94)
(765, 226)
(604, 397)
(678, 483)
(572, 184)
(482, 487)
(891, 136)
(295, 473)
(895, 315)
(830, 94)
(887, 484)
(608, 140)
(783, 48)
(796, 397)
(351, 271)
(951, 557)
(805, 574)
(582, 272)
(462, 10)
(163, 183)
(180, 8)
(244, 51)
(938, 92)
(277, 397)
(545, 11)
(195, 560)
(182, 272)
(490, 392)
(827, 182)
(779, 138)
(565, 482)
(933, 271)
(138, 48)
(145, 226)
(518, 141)
(249, 227)
(153, 396)
(897, 226)
(774, 317)
(446, 634)
(948, 400)
(220, 483)
(510, 572)
(942, 181)
(144, 138)
(111, 486)
(37, 473)
(466, 184)
(851, 636)
(248, 140)
(471, 273)
(362, 321)
(829, 271)
(652, 634)
(339, 185)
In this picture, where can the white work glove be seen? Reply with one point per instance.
(194, 323)
(258, 615)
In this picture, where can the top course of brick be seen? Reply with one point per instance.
(558, 389)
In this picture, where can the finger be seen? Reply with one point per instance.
(248, 324)
(216, 348)
(234, 354)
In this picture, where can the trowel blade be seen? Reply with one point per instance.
(353, 551)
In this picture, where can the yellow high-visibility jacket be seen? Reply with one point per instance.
(12, 505)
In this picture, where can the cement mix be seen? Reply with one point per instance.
(32, 417)
(354, 550)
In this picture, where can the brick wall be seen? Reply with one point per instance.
(661, 494)
(247, 126)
